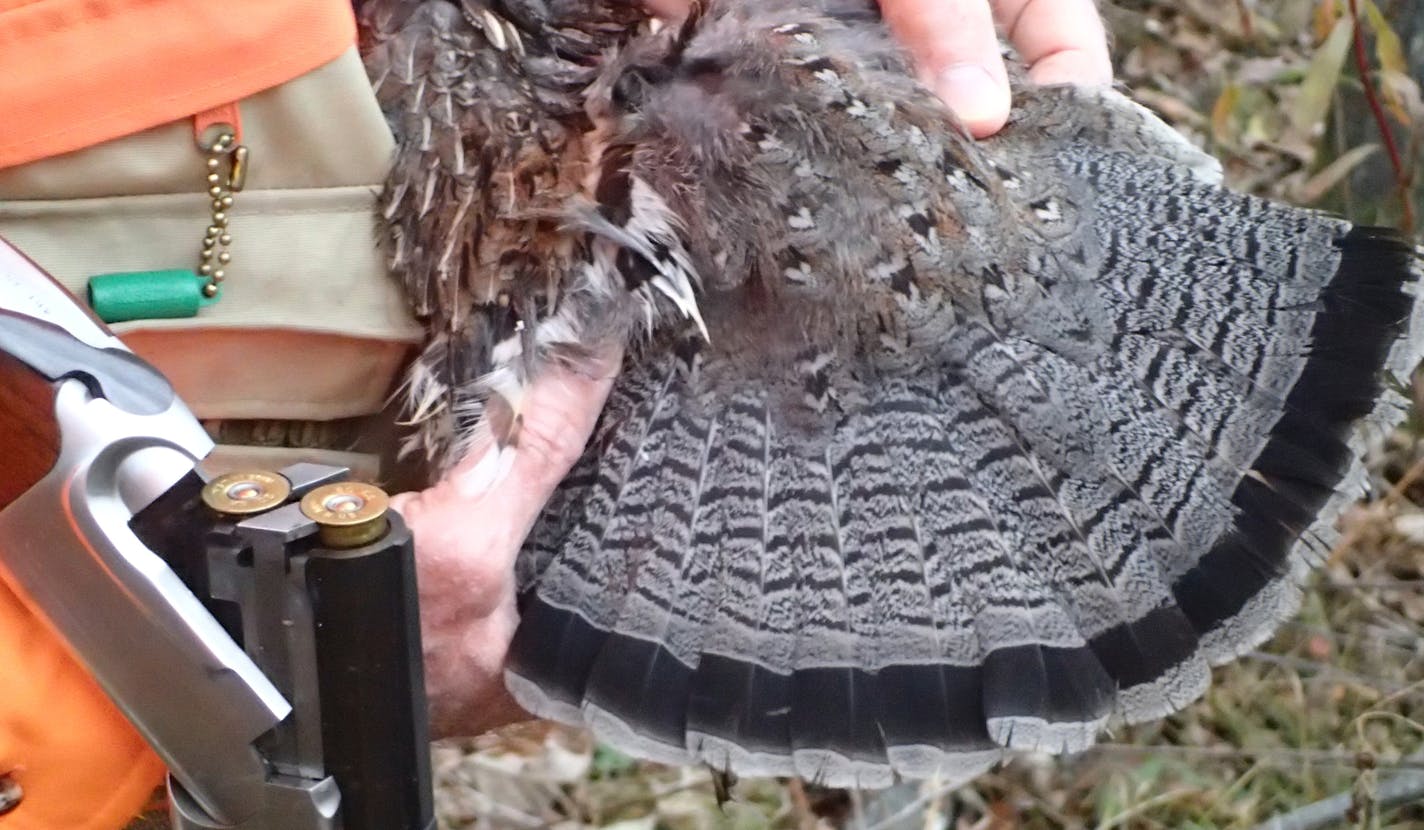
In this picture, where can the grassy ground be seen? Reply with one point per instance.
(1334, 704)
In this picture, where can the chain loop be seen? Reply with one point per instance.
(222, 184)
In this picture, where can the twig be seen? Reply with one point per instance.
(503, 815)
(1350, 537)
(1406, 645)
(801, 805)
(1362, 64)
(1144, 806)
(1395, 790)
(1272, 756)
(1373, 585)
(1392, 718)
(1248, 31)
(1413, 474)
(693, 781)
(1399, 694)
(928, 793)
(1323, 669)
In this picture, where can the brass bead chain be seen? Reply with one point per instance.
(216, 256)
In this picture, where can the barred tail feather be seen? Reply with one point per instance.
(953, 575)
(1027, 491)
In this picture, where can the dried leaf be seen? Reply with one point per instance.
(1172, 108)
(1258, 131)
(1389, 50)
(1222, 112)
(1311, 106)
(1315, 188)
(1326, 13)
(1402, 95)
(1292, 16)
(1410, 526)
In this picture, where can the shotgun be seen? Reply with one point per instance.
(259, 629)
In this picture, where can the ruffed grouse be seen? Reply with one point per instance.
(925, 448)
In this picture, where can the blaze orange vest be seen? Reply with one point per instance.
(74, 73)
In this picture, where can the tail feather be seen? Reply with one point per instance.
(1018, 500)
(1028, 705)
(641, 681)
(935, 721)
(739, 714)
(1296, 478)
(956, 573)
(929, 686)
(554, 523)
(561, 634)
(830, 516)
(1100, 547)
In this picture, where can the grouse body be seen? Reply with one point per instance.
(924, 448)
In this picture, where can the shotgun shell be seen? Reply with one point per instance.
(242, 494)
(349, 514)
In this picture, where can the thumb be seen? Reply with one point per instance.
(956, 50)
(977, 94)
(668, 9)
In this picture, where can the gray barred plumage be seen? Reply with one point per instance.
(925, 449)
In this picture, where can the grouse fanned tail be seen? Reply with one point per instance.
(924, 449)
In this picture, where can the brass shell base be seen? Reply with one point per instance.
(246, 493)
(349, 513)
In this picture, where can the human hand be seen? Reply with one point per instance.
(956, 48)
(957, 51)
(467, 536)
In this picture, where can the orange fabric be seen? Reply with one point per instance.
(78, 72)
(81, 765)
(75, 73)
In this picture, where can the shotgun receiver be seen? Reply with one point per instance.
(260, 630)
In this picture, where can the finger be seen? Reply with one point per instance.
(462, 519)
(568, 404)
(669, 9)
(957, 53)
(556, 416)
(1061, 41)
(464, 670)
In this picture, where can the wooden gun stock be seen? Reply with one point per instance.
(29, 434)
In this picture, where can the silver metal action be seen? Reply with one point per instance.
(66, 544)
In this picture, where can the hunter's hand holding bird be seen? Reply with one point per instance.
(467, 541)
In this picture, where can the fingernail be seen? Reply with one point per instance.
(975, 96)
